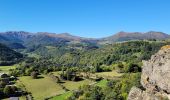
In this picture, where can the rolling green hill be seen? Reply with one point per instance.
(9, 56)
(69, 56)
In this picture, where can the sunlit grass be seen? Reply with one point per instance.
(71, 85)
(41, 88)
(62, 97)
(5, 69)
(102, 83)
(109, 74)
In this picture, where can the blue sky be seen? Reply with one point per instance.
(87, 18)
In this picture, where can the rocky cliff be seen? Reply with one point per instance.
(155, 78)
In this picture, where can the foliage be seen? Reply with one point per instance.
(54, 78)
(9, 56)
(34, 75)
(55, 57)
(69, 74)
(113, 90)
(62, 97)
(133, 68)
(10, 90)
(124, 57)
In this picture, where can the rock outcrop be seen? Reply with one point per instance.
(155, 78)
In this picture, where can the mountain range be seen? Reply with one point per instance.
(125, 36)
(22, 39)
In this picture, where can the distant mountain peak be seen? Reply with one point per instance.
(154, 32)
(126, 36)
(17, 32)
(46, 37)
(65, 34)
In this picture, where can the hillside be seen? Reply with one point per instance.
(9, 56)
(21, 39)
(126, 36)
(117, 66)
(82, 56)
(28, 39)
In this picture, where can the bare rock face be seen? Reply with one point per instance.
(155, 78)
(138, 94)
(156, 72)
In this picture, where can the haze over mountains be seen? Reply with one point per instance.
(22, 39)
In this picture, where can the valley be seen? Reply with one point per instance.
(66, 67)
(84, 50)
(40, 88)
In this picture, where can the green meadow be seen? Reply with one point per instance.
(41, 88)
(5, 69)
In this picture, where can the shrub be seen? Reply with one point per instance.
(9, 90)
(133, 68)
(34, 75)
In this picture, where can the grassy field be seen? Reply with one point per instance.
(50, 47)
(57, 73)
(5, 69)
(33, 55)
(42, 87)
(75, 85)
(71, 85)
(22, 98)
(109, 74)
(62, 97)
(48, 87)
(102, 83)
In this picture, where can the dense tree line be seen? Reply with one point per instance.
(54, 58)
(8, 87)
(9, 56)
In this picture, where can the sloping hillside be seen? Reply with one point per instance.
(8, 56)
(28, 39)
(126, 36)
